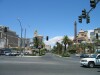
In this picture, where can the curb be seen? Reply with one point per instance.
(28, 56)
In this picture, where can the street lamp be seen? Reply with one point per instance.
(21, 32)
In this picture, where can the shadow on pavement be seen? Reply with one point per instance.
(88, 67)
(97, 67)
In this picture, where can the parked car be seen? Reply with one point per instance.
(7, 53)
(84, 55)
(93, 60)
(13, 54)
(2, 52)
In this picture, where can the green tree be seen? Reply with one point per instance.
(82, 47)
(65, 42)
(36, 42)
(97, 43)
(70, 42)
(59, 48)
(72, 48)
(54, 50)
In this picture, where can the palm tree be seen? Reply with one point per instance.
(54, 49)
(70, 42)
(82, 47)
(59, 48)
(36, 42)
(65, 42)
(90, 47)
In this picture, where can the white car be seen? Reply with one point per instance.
(7, 53)
(93, 60)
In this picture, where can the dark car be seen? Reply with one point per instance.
(5, 51)
(84, 56)
(2, 52)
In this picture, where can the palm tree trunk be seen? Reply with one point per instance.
(65, 48)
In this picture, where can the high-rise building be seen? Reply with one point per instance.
(9, 38)
(93, 34)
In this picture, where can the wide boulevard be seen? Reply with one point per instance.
(49, 64)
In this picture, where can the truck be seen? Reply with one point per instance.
(91, 61)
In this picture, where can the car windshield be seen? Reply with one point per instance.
(93, 56)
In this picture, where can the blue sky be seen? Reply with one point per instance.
(48, 17)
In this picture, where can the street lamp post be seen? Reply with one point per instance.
(21, 32)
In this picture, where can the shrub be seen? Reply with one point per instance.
(66, 54)
(72, 51)
(42, 52)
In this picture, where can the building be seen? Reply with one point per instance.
(93, 34)
(48, 47)
(93, 38)
(9, 38)
(25, 42)
(82, 36)
(97, 31)
(39, 37)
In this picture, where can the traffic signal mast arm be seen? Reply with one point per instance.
(92, 7)
(85, 14)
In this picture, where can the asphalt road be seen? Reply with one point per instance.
(46, 65)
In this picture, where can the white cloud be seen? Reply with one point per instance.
(53, 41)
(71, 37)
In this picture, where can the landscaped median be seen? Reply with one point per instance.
(63, 55)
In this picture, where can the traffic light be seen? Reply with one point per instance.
(47, 38)
(96, 35)
(80, 19)
(5, 29)
(88, 19)
(93, 3)
(84, 13)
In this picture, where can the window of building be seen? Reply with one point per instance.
(85, 35)
(82, 34)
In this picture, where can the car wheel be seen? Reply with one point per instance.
(91, 64)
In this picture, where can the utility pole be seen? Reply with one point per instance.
(24, 39)
(21, 33)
